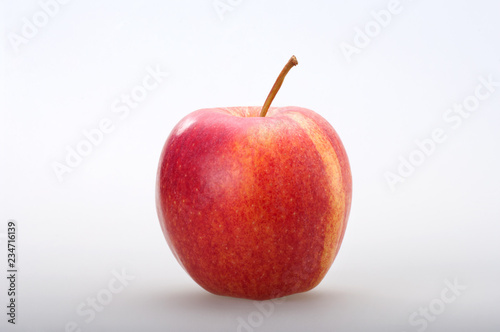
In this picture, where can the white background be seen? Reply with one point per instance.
(401, 246)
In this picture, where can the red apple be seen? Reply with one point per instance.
(254, 206)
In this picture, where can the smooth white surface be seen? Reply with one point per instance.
(400, 247)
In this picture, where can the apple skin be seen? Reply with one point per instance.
(254, 207)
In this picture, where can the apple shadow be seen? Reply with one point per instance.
(192, 308)
(196, 298)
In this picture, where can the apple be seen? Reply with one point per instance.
(254, 201)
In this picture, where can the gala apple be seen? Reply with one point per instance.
(254, 201)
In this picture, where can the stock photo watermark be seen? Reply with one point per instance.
(121, 107)
(33, 24)
(454, 117)
(255, 319)
(380, 20)
(424, 316)
(222, 7)
(88, 309)
(12, 272)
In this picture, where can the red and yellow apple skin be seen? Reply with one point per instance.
(254, 207)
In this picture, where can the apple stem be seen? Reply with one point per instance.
(277, 85)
